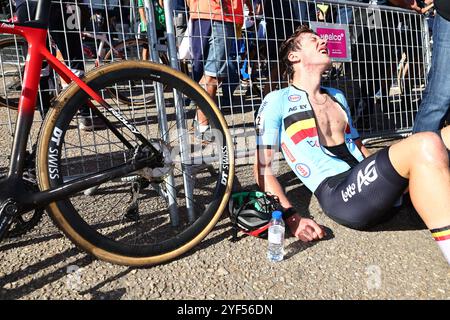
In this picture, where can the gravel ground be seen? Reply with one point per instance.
(397, 260)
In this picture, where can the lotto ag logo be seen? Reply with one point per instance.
(303, 170)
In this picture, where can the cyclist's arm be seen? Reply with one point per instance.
(303, 228)
(265, 178)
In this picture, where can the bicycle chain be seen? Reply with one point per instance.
(24, 223)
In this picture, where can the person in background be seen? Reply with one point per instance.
(435, 105)
(213, 28)
(158, 7)
(181, 18)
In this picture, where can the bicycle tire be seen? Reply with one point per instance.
(12, 64)
(119, 53)
(100, 238)
(132, 43)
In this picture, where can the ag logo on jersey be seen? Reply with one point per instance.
(299, 107)
(303, 170)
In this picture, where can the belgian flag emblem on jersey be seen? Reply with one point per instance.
(300, 125)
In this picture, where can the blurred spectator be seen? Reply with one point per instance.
(181, 18)
(213, 28)
(435, 104)
(238, 49)
(120, 17)
(159, 22)
(65, 26)
(59, 23)
(374, 57)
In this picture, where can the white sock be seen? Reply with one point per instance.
(442, 238)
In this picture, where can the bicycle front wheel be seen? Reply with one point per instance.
(153, 214)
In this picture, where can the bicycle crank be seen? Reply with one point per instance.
(8, 211)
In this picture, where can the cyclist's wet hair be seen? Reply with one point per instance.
(290, 44)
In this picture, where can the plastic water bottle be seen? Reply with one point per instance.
(275, 251)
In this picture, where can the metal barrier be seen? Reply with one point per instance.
(383, 76)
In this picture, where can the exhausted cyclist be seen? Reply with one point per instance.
(313, 127)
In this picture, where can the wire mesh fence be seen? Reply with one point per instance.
(381, 66)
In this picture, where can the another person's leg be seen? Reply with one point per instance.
(435, 103)
(216, 63)
(280, 24)
(201, 32)
(423, 159)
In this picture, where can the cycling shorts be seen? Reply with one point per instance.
(362, 196)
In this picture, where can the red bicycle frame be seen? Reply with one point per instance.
(11, 187)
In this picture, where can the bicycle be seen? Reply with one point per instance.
(141, 192)
(12, 62)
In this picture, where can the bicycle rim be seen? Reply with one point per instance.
(100, 219)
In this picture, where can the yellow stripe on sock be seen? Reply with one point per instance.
(441, 234)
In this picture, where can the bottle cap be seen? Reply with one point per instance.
(276, 214)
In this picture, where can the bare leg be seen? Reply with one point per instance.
(445, 133)
(145, 54)
(210, 85)
(423, 159)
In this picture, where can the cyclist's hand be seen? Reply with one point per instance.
(305, 229)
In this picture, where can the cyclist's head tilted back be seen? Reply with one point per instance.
(304, 51)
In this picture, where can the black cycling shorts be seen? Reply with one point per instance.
(362, 196)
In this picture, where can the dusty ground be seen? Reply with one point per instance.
(397, 260)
